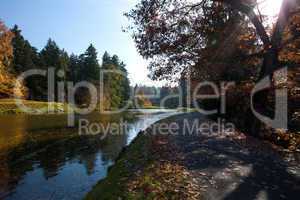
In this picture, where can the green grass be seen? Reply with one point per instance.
(151, 107)
(9, 106)
(139, 174)
(184, 109)
(134, 157)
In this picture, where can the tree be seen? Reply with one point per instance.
(124, 81)
(140, 99)
(289, 50)
(272, 42)
(90, 67)
(174, 33)
(25, 56)
(116, 80)
(8, 83)
(106, 59)
(200, 39)
(6, 50)
(74, 68)
(169, 92)
(51, 56)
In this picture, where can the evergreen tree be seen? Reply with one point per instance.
(52, 56)
(84, 67)
(74, 68)
(90, 66)
(118, 82)
(25, 56)
(125, 83)
(106, 59)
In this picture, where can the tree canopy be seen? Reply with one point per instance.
(176, 34)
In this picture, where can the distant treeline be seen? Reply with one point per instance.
(21, 56)
(165, 96)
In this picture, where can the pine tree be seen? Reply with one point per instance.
(73, 72)
(25, 56)
(90, 66)
(52, 56)
(116, 80)
(106, 59)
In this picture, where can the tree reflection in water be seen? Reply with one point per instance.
(58, 163)
(44, 154)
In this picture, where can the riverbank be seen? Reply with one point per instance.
(9, 106)
(71, 162)
(201, 166)
(145, 170)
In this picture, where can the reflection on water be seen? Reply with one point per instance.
(40, 159)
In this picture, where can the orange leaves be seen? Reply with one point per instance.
(291, 40)
(7, 80)
(6, 50)
(156, 180)
(163, 181)
(164, 177)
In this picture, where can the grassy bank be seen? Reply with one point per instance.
(114, 185)
(151, 107)
(9, 106)
(144, 170)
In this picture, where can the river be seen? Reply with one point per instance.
(41, 159)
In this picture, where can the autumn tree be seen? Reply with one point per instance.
(9, 86)
(211, 40)
(6, 50)
(175, 34)
(140, 100)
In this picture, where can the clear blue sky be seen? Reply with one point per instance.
(74, 24)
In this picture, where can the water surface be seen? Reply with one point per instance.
(41, 159)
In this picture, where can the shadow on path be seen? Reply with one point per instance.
(225, 169)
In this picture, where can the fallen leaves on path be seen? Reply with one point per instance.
(163, 178)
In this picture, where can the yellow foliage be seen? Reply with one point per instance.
(9, 85)
(291, 40)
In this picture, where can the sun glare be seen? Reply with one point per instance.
(270, 8)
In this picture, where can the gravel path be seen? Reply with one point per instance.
(236, 166)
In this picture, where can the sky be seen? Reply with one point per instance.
(74, 24)
(270, 8)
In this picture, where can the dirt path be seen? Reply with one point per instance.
(235, 166)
